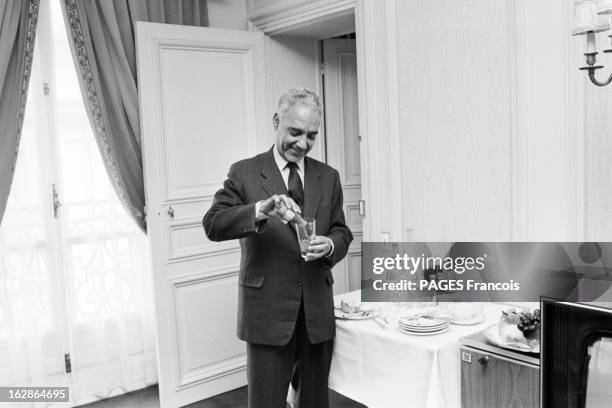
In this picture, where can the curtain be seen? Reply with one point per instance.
(17, 32)
(75, 284)
(102, 36)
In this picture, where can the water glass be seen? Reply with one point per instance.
(306, 232)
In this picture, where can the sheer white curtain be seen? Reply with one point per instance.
(76, 280)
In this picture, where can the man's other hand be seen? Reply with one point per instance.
(320, 246)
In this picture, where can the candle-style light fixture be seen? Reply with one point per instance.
(590, 18)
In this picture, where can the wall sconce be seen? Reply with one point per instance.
(589, 20)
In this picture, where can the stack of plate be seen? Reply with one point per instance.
(422, 326)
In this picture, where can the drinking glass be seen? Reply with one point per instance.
(306, 232)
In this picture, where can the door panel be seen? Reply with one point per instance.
(343, 148)
(187, 103)
(207, 327)
(199, 114)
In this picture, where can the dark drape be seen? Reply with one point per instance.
(18, 20)
(102, 35)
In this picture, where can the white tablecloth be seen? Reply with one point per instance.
(391, 369)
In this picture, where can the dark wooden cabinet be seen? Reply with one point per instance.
(492, 377)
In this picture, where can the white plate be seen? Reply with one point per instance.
(413, 328)
(366, 314)
(493, 336)
(423, 333)
(421, 322)
(469, 322)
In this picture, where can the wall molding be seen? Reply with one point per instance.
(378, 117)
(575, 123)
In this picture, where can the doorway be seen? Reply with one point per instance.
(322, 56)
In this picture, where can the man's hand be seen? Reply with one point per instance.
(320, 246)
(279, 207)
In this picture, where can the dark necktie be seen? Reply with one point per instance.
(295, 187)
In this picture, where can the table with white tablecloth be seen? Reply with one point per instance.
(391, 369)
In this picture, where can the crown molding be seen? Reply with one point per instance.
(279, 16)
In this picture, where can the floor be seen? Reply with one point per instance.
(148, 398)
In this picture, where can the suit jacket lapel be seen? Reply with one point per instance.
(273, 181)
(312, 188)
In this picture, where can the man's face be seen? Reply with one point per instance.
(296, 131)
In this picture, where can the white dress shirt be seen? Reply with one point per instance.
(282, 163)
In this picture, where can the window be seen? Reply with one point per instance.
(74, 271)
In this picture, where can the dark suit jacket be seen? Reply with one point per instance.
(273, 276)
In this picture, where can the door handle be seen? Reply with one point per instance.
(56, 201)
(171, 212)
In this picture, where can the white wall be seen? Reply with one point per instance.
(228, 14)
(455, 120)
(598, 151)
(293, 63)
(262, 4)
(487, 119)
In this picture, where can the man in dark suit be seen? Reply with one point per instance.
(285, 309)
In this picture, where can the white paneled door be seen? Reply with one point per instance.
(203, 106)
(343, 149)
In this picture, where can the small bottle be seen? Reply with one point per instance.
(290, 215)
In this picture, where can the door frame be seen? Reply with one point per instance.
(332, 81)
(376, 41)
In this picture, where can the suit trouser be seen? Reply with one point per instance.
(270, 369)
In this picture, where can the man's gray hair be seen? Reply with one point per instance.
(301, 96)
